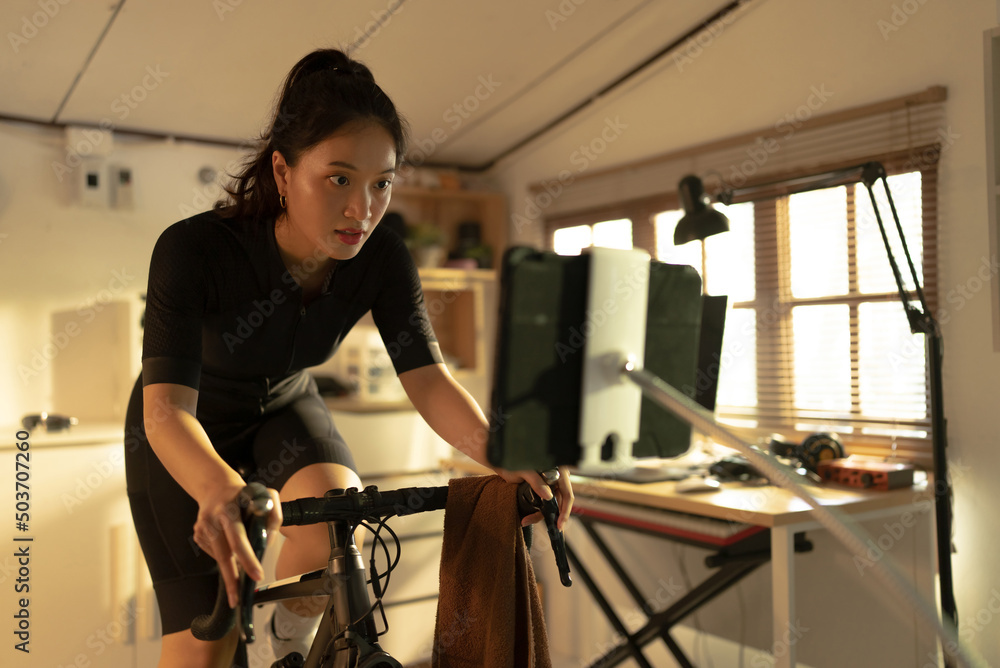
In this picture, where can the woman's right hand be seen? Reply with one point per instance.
(219, 531)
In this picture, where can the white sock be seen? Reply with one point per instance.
(289, 632)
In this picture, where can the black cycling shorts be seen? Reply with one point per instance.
(268, 451)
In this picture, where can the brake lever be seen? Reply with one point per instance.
(550, 514)
(256, 504)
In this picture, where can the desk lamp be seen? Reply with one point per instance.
(700, 219)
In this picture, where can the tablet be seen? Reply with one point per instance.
(541, 337)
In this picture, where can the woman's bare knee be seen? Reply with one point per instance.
(313, 481)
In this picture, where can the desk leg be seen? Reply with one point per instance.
(925, 583)
(783, 594)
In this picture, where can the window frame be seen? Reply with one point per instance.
(773, 349)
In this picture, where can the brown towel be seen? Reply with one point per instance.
(489, 613)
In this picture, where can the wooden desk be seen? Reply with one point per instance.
(776, 509)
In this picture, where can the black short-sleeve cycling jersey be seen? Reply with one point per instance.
(225, 316)
(223, 312)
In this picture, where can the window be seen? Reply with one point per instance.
(816, 338)
(607, 234)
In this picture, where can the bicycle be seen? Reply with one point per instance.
(347, 636)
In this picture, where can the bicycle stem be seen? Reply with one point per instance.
(347, 571)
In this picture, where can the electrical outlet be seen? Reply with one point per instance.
(93, 182)
(122, 187)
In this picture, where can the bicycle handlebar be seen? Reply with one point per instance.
(370, 504)
(354, 506)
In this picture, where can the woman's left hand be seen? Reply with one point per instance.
(564, 492)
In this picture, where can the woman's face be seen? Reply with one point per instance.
(336, 193)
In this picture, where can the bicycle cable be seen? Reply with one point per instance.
(378, 589)
(382, 524)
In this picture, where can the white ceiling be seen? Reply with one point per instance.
(210, 69)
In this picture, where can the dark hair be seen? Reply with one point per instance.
(323, 92)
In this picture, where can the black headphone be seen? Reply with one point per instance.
(816, 448)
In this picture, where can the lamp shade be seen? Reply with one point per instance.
(700, 218)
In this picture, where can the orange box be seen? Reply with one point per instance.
(865, 473)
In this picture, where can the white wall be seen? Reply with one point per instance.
(764, 66)
(56, 254)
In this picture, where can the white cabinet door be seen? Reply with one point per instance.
(82, 571)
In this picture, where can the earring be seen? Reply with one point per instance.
(281, 201)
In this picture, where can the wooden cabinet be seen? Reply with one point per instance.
(447, 209)
(462, 306)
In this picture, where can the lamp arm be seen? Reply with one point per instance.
(921, 321)
(831, 179)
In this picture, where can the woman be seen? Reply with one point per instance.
(241, 300)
